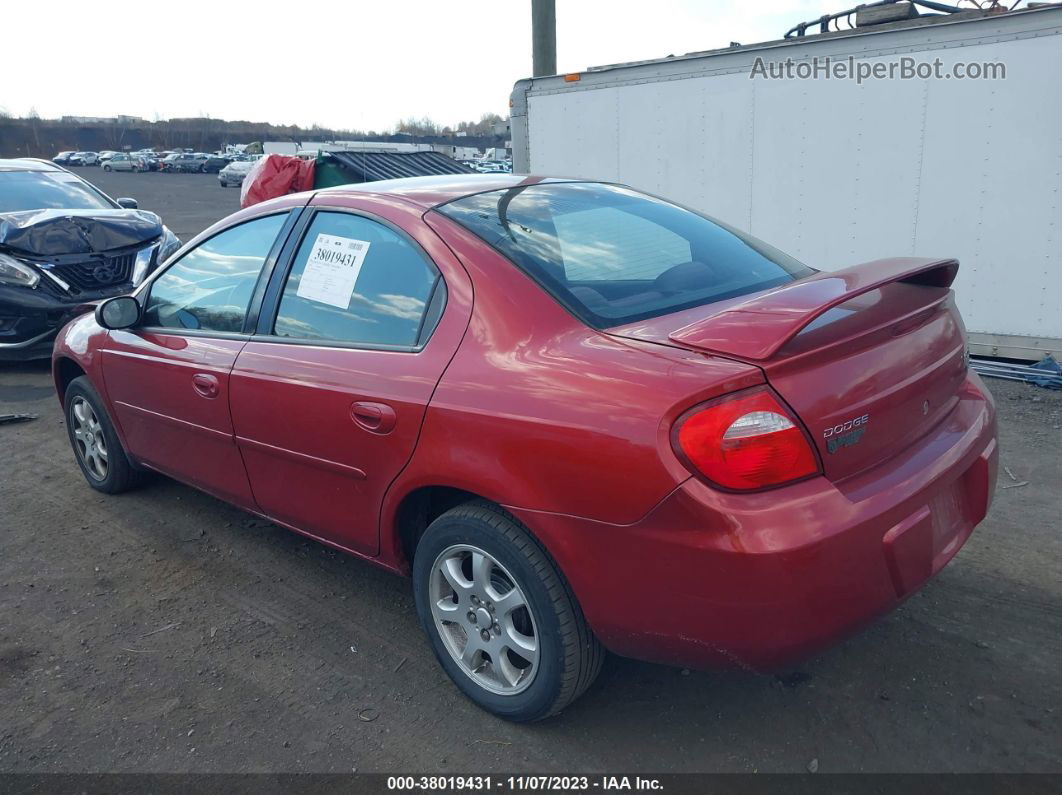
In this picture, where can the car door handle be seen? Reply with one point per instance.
(206, 385)
(374, 417)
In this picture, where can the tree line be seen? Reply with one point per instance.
(33, 136)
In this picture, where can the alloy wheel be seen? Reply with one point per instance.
(484, 619)
(89, 437)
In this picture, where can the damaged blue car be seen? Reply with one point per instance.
(65, 244)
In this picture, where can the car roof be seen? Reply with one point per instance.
(432, 191)
(27, 164)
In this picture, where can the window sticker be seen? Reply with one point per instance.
(332, 270)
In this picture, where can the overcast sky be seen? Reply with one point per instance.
(348, 65)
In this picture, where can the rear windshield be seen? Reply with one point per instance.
(614, 256)
(47, 190)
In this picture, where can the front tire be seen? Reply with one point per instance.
(500, 617)
(98, 450)
(106, 167)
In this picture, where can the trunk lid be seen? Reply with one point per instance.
(870, 358)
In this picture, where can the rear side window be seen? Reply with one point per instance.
(210, 287)
(357, 281)
(614, 256)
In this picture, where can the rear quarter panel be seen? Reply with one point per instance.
(539, 411)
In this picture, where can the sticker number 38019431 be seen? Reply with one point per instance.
(332, 270)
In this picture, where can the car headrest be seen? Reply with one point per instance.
(589, 297)
(686, 276)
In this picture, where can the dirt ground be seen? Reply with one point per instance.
(162, 630)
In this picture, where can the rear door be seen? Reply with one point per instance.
(328, 398)
(168, 379)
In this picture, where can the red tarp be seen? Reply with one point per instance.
(276, 175)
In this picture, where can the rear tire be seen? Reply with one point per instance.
(509, 632)
(97, 448)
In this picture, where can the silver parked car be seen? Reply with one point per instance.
(184, 161)
(234, 173)
(123, 162)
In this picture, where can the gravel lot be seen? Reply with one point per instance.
(187, 203)
(165, 631)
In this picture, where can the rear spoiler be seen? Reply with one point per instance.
(758, 328)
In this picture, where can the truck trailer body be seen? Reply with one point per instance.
(840, 170)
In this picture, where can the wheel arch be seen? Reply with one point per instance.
(403, 527)
(414, 512)
(65, 370)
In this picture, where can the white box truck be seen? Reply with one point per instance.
(838, 170)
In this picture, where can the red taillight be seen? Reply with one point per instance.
(745, 441)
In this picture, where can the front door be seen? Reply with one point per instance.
(327, 399)
(168, 379)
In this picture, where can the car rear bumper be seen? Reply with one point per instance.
(759, 581)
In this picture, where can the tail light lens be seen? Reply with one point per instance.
(745, 441)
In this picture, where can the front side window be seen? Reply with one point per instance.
(614, 256)
(355, 280)
(210, 287)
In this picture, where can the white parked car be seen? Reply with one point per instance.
(234, 173)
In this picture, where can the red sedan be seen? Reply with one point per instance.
(579, 416)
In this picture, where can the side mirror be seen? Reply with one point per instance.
(127, 203)
(118, 313)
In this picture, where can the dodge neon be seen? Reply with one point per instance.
(579, 417)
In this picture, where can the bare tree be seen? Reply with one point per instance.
(114, 134)
(415, 126)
